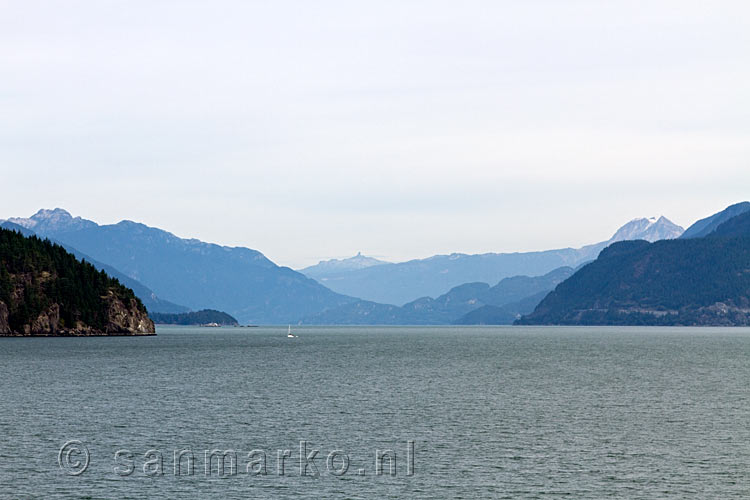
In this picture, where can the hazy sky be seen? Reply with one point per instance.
(310, 130)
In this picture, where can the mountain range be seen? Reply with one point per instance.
(399, 283)
(175, 275)
(703, 279)
(451, 307)
(324, 269)
(198, 275)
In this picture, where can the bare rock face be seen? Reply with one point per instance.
(48, 322)
(123, 318)
(4, 326)
(127, 318)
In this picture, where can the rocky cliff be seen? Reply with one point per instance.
(46, 291)
(4, 326)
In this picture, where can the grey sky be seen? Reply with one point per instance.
(310, 130)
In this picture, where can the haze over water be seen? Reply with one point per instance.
(494, 412)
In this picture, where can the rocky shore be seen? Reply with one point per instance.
(122, 319)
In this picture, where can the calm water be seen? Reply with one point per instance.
(493, 412)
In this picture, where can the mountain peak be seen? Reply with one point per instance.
(359, 261)
(649, 229)
(45, 213)
(47, 222)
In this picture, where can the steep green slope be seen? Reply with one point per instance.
(702, 281)
(147, 296)
(45, 290)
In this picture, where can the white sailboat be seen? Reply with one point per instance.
(289, 333)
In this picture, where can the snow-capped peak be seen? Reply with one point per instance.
(649, 229)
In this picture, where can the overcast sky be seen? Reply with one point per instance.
(402, 129)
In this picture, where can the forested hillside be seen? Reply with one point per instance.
(44, 290)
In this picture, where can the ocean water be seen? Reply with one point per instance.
(466, 412)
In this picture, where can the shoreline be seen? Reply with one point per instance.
(23, 335)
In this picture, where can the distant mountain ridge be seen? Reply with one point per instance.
(451, 307)
(400, 283)
(199, 275)
(253, 289)
(705, 226)
(735, 227)
(506, 314)
(333, 266)
(699, 280)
